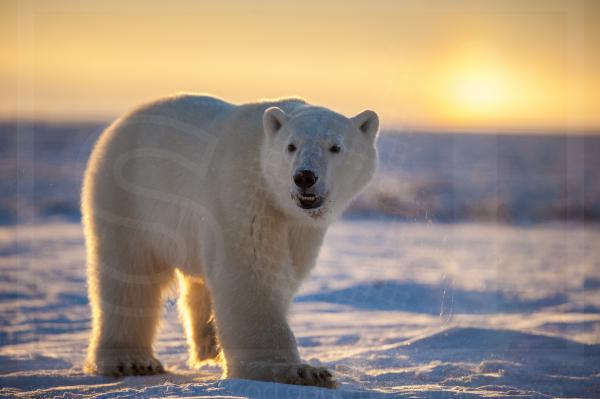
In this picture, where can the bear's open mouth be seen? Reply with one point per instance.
(308, 201)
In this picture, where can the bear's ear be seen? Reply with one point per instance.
(273, 119)
(367, 122)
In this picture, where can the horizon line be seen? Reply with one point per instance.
(386, 128)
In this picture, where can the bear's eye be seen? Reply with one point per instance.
(291, 148)
(335, 149)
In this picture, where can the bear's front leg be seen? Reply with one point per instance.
(255, 337)
(126, 297)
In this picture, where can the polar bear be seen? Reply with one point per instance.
(234, 202)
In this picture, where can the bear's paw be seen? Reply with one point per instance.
(121, 365)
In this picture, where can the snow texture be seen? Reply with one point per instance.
(396, 309)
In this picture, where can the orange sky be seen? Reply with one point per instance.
(505, 65)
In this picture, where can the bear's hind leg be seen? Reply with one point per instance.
(126, 298)
(195, 308)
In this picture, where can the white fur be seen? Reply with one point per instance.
(194, 185)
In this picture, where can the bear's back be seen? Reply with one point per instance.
(196, 110)
(211, 113)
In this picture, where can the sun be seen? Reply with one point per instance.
(475, 87)
(479, 90)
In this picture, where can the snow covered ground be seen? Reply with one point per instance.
(395, 309)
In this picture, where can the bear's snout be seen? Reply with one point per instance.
(305, 179)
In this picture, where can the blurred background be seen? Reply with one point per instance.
(489, 109)
(470, 267)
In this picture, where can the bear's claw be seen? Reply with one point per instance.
(121, 366)
(305, 374)
(285, 373)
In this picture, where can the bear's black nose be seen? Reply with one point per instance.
(305, 179)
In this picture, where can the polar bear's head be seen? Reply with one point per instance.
(315, 160)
